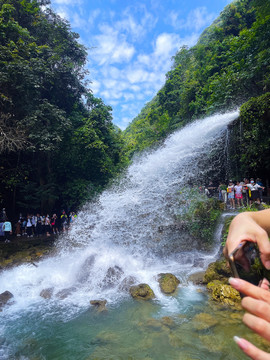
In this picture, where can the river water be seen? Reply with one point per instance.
(116, 241)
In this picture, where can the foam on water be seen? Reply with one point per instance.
(117, 237)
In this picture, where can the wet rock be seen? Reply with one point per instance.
(204, 321)
(168, 283)
(196, 278)
(198, 262)
(62, 294)
(85, 269)
(126, 283)
(212, 346)
(224, 293)
(112, 276)
(153, 324)
(142, 292)
(105, 338)
(100, 305)
(46, 293)
(176, 340)
(4, 298)
(168, 321)
(218, 270)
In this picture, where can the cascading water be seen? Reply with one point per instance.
(116, 240)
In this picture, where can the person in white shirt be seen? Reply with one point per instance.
(238, 194)
(254, 194)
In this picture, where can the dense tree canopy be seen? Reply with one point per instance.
(58, 143)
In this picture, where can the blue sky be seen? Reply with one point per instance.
(131, 43)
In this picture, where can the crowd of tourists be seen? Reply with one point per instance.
(238, 193)
(35, 225)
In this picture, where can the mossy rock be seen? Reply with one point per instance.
(204, 321)
(218, 270)
(168, 283)
(99, 304)
(224, 293)
(142, 292)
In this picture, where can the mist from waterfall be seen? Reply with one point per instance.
(116, 239)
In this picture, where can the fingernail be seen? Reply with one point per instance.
(236, 339)
(267, 264)
(242, 343)
(234, 282)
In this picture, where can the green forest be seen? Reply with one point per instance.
(59, 146)
(58, 143)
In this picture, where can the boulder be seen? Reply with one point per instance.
(204, 321)
(112, 277)
(218, 270)
(168, 283)
(4, 298)
(126, 283)
(99, 304)
(62, 294)
(224, 293)
(197, 278)
(142, 292)
(46, 293)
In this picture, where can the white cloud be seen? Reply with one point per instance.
(137, 75)
(93, 16)
(111, 47)
(166, 44)
(95, 86)
(136, 28)
(64, 2)
(195, 21)
(63, 13)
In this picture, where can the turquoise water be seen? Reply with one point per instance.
(189, 327)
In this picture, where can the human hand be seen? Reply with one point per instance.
(245, 227)
(257, 303)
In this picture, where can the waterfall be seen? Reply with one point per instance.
(116, 239)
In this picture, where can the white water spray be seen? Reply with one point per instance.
(116, 240)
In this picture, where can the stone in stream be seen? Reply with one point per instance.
(4, 298)
(141, 292)
(126, 283)
(168, 283)
(224, 293)
(196, 278)
(46, 293)
(112, 277)
(204, 321)
(218, 270)
(62, 294)
(99, 304)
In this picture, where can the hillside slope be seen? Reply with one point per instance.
(229, 64)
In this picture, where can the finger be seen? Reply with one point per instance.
(250, 350)
(264, 284)
(257, 307)
(264, 246)
(225, 252)
(248, 289)
(258, 325)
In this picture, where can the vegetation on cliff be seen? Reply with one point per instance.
(229, 64)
